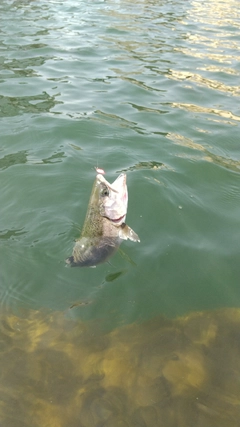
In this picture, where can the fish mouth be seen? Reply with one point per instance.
(102, 180)
(117, 220)
(115, 185)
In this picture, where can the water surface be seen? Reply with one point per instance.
(150, 88)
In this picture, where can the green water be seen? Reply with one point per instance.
(151, 88)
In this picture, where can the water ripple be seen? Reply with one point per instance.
(197, 78)
(209, 155)
(12, 106)
(211, 111)
(13, 159)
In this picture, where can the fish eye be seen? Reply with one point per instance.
(105, 192)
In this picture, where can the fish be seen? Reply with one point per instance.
(104, 227)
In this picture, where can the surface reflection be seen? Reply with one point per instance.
(219, 13)
(13, 106)
(13, 159)
(227, 115)
(201, 80)
(145, 165)
(180, 372)
(209, 156)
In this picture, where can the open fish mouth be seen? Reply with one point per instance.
(115, 185)
(117, 221)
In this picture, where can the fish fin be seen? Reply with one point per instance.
(70, 260)
(127, 233)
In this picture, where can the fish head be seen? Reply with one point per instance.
(104, 227)
(113, 198)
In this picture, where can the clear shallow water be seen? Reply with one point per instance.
(177, 372)
(149, 88)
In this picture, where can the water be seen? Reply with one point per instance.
(150, 88)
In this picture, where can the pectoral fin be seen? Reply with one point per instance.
(127, 233)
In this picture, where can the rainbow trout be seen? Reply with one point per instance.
(104, 226)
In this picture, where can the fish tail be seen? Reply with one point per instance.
(70, 260)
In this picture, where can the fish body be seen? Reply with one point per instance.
(104, 226)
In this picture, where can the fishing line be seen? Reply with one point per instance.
(97, 169)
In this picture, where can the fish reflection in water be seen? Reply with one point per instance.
(182, 372)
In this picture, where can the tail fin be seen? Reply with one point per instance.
(70, 261)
